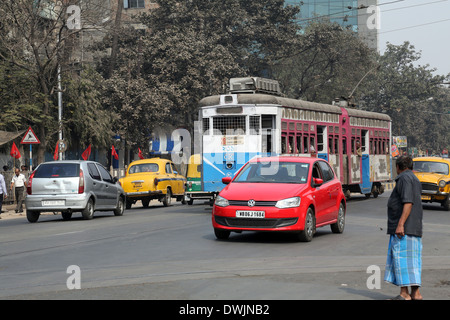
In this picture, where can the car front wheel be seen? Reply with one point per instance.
(338, 227)
(120, 208)
(307, 233)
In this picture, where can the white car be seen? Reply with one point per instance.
(73, 186)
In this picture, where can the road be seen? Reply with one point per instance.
(171, 253)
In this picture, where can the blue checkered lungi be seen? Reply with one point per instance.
(404, 261)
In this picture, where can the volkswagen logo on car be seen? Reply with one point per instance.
(251, 203)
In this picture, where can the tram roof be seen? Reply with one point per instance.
(267, 99)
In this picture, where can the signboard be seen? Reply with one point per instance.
(30, 137)
(400, 141)
(394, 151)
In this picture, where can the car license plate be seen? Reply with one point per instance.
(53, 202)
(138, 185)
(426, 197)
(250, 214)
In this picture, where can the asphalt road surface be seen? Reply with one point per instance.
(172, 254)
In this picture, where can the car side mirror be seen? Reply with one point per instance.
(114, 180)
(317, 182)
(226, 180)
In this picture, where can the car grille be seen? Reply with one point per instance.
(244, 203)
(255, 223)
(429, 186)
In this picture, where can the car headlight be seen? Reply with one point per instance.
(442, 184)
(288, 203)
(221, 202)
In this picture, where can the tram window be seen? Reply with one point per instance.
(312, 143)
(206, 126)
(330, 145)
(336, 145)
(305, 144)
(299, 143)
(321, 131)
(254, 125)
(267, 121)
(353, 145)
(223, 125)
(283, 144)
(291, 144)
(344, 145)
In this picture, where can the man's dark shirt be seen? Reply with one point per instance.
(407, 190)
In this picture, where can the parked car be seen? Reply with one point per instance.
(154, 178)
(293, 194)
(71, 186)
(433, 174)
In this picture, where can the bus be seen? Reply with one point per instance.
(255, 119)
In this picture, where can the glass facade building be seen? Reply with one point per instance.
(343, 12)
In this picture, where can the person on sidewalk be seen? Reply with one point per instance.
(404, 258)
(3, 192)
(19, 182)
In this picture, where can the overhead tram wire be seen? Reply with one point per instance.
(344, 12)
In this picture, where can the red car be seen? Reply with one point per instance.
(295, 194)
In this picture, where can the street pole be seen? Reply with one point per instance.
(59, 109)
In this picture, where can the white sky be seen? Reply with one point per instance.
(423, 26)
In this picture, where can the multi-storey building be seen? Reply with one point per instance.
(357, 15)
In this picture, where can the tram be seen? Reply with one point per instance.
(254, 119)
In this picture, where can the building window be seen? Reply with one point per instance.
(132, 4)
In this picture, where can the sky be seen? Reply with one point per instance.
(424, 23)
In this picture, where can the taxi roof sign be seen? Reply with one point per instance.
(30, 137)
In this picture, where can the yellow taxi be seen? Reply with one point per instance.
(154, 178)
(434, 175)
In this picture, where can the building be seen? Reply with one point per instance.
(357, 15)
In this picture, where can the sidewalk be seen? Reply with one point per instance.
(8, 211)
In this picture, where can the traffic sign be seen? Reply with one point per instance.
(30, 137)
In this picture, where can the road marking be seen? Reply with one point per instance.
(72, 232)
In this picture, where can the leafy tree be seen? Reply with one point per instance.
(34, 41)
(190, 50)
(409, 94)
(328, 63)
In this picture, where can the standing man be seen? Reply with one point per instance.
(404, 258)
(19, 182)
(3, 192)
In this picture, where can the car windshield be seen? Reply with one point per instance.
(274, 172)
(57, 170)
(431, 166)
(144, 167)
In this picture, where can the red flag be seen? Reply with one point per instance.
(85, 155)
(15, 152)
(114, 153)
(140, 154)
(56, 154)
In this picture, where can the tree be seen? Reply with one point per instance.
(189, 51)
(327, 63)
(411, 95)
(35, 40)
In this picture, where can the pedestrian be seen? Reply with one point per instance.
(3, 192)
(404, 225)
(19, 182)
(312, 151)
